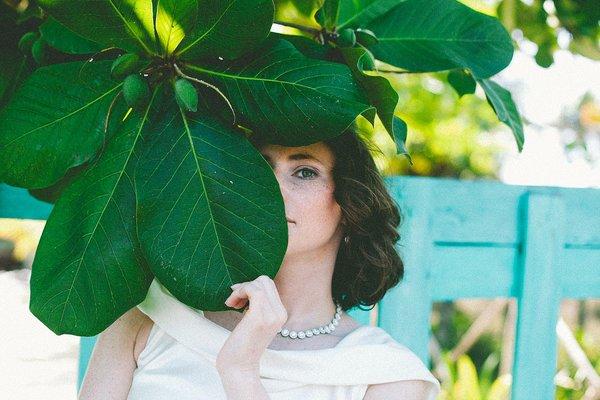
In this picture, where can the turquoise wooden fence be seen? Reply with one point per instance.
(470, 239)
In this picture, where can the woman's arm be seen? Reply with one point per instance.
(238, 361)
(243, 385)
(110, 370)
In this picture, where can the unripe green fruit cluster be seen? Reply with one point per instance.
(366, 37)
(186, 94)
(346, 38)
(135, 87)
(135, 90)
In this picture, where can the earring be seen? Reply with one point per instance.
(346, 239)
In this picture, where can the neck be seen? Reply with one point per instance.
(304, 286)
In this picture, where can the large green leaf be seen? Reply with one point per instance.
(436, 35)
(52, 193)
(309, 47)
(62, 38)
(175, 19)
(210, 210)
(503, 105)
(54, 121)
(377, 89)
(14, 69)
(400, 134)
(461, 81)
(14, 65)
(296, 8)
(327, 15)
(227, 29)
(358, 13)
(88, 269)
(288, 98)
(126, 24)
(380, 92)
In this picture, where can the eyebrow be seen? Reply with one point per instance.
(295, 156)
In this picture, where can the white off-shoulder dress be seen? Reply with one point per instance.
(178, 361)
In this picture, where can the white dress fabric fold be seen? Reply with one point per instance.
(179, 360)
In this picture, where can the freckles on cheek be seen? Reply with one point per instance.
(318, 203)
(328, 203)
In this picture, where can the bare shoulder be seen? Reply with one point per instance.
(127, 326)
(112, 363)
(136, 325)
(141, 338)
(413, 389)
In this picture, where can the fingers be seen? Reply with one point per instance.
(272, 293)
(236, 299)
(254, 294)
(242, 293)
(259, 288)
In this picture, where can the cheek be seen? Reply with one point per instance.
(322, 207)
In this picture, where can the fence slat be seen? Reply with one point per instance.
(538, 297)
(405, 310)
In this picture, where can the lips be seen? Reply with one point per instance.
(289, 220)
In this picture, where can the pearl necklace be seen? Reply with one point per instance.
(314, 331)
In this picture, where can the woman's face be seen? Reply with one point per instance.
(305, 178)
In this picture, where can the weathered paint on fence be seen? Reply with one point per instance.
(470, 239)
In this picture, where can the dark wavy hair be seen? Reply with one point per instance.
(368, 265)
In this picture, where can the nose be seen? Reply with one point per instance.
(282, 187)
(280, 182)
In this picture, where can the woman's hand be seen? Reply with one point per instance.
(262, 319)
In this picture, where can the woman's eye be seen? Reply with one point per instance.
(314, 173)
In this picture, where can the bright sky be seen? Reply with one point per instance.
(541, 94)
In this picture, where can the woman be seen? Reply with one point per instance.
(293, 339)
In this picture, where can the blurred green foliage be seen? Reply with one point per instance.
(457, 137)
(448, 136)
(540, 21)
(572, 385)
(476, 374)
(467, 384)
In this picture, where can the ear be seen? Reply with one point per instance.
(344, 225)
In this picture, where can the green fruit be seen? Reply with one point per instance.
(38, 51)
(125, 65)
(186, 95)
(346, 38)
(135, 90)
(366, 37)
(26, 42)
